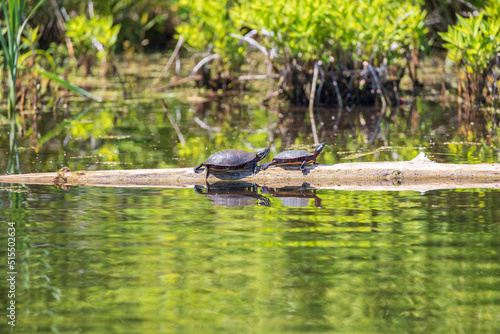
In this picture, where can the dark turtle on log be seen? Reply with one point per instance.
(232, 159)
(295, 157)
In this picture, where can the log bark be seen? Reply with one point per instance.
(419, 174)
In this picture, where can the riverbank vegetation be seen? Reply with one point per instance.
(474, 45)
(339, 53)
(361, 49)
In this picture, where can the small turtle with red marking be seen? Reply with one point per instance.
(295, 157)
(232, 159)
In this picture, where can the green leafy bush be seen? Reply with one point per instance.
(492, 8)
(91, 38)
(144, 23)
(298, 29)
(313, 30)
(473, 44)
(342, 34)
(378, 29)
(294, 35)
(207, 28)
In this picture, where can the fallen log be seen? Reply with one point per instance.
(419, 174)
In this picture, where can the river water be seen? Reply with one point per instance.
(158, 260)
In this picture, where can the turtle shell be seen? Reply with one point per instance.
(230, 158)
(292, 154)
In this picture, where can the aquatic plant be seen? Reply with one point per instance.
(473, 44)
(339, 37)
(92, 38)
(15, 58)
(144, 23)
(345, 36)
(207, 28)
(492, 8)
(13, 11)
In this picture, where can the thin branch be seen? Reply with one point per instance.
(204, 61)
(177, 64)
(253, 43)
(494, 95)
(171, 60)
(257, 77)
(321, 83)
(340, 103)
(396, 95)
(205, 126)
(377, 127)
(337, 91)
(59, 13)
(468, 4)
(311, 102)
(379, 86)
(173, 122)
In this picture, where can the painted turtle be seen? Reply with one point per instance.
(294, 157)
(232, 159)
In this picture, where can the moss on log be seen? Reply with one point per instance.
(419, 174)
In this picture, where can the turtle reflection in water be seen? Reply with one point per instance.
(295, 157)
(233, 196)
(232, 159)
(294, 197)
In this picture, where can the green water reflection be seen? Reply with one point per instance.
(122, 260)
(147, 260)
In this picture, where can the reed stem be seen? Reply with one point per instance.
(13, 11)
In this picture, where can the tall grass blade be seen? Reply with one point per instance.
(20, 32)
(67, 85)
(13, 12)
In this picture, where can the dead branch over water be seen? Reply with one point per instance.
(419, 174)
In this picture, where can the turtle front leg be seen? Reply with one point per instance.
(208, 172)
(303, 165)
(197, 168)
(265, 166)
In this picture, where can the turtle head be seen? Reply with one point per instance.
(319, 149)
(262, 154)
